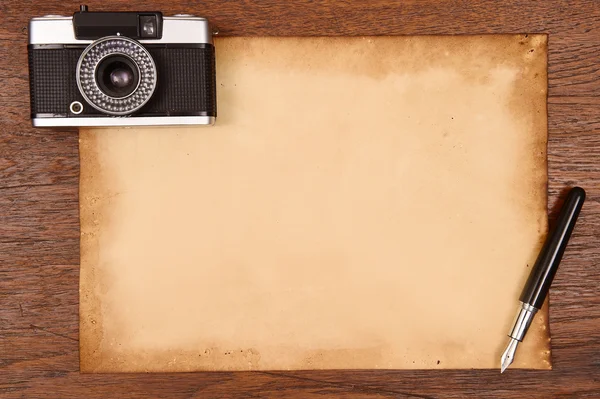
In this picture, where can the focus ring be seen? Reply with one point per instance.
(87, 79)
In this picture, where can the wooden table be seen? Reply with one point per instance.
(39, 226)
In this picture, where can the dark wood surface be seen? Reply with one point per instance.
(39, 227)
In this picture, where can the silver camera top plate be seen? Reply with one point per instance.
(182, 29)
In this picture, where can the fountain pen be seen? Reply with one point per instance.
(538, 284)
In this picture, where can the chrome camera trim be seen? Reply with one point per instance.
(177, 29)
(124, 121)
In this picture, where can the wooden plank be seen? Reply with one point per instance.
(39, 250)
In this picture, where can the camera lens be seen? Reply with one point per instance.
(116, 75)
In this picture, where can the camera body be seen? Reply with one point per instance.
(121, 69)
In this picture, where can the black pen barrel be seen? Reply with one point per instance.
(538, 284)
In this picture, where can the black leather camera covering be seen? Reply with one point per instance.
(186, 84)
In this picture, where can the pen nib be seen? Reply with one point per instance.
(509, 354)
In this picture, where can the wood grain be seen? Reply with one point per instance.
(39, 226)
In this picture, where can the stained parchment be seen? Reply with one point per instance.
(368, 202)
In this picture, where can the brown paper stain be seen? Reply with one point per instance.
(91, 199)
(184, 229)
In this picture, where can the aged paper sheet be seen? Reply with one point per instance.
(361, 203)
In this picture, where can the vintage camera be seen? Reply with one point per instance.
(121, 69)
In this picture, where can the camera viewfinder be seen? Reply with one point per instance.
(148, 26)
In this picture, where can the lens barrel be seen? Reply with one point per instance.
(116, 75)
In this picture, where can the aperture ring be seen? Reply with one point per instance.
(87, 80)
